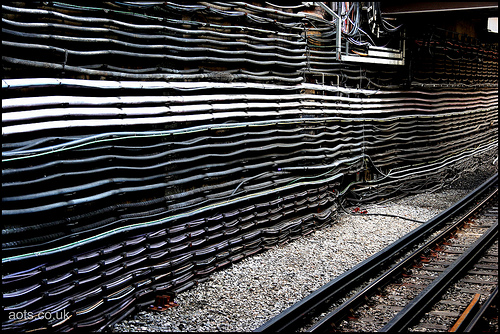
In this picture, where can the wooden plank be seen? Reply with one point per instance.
(445, 314)
(432, 268)
(478, 281)
(453, 302)
(474, 291)
(389, 307)
(435, 326)
(480, 272)
(451, 251)
(490, 260)
(486, 266)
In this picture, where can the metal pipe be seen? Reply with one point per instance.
(338, 27)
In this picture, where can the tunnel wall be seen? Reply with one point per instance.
(146, 146)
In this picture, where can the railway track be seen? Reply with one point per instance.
(438, 277)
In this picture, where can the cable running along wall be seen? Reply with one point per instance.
(145, 146)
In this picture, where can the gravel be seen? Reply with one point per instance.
(249, 293)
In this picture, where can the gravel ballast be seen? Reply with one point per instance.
(244, 296)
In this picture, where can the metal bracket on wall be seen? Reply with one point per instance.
(379, 55)
(323, 75)
(376, 54)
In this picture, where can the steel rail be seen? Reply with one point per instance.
(292, 318)
(374, 287)
(426, 298)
